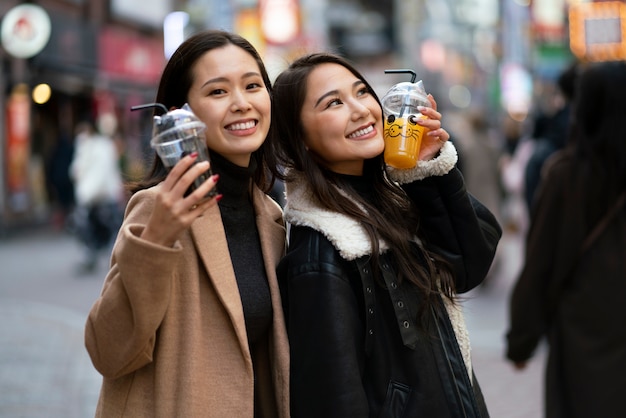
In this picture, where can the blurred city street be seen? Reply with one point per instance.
(46, 372)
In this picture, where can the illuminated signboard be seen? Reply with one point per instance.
(598, 30)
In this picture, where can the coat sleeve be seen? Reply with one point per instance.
(326, 337)
(457, 226)
(529, 306)
(121, 327)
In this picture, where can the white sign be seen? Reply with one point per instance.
(151, 12)
(25, 30)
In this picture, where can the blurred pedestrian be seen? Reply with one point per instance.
(189, 322)
(98, 191)
(58, 175)
(376, 256)
(572, 288)
(550, 133)
(518, 148)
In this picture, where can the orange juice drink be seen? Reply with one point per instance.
(403, 138)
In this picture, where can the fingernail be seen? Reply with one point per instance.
(216, 177)
(194, 154)
(421, 108)
(219, 197)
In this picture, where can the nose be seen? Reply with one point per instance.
(240, 102)
(359, 110)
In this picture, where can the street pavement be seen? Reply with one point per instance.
(45, 371)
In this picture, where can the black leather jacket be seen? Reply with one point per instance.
(355, 349)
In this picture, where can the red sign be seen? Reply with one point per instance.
(18, 140)
(127, 56)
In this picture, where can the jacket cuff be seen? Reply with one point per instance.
(438, 166)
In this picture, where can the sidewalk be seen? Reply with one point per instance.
(509, 393)
(45, 371)
(44, 368)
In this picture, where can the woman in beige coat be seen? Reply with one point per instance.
(189, 321)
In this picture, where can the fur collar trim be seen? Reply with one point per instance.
(438, 166)
(346, 234)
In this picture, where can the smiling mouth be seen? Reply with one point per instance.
(241, 126)
(361, 132)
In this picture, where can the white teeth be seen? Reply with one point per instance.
(361, 132)
(240, 126)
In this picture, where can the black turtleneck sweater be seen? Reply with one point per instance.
(243, 243)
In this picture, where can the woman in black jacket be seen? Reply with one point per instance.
(571, 289)
(376, 255)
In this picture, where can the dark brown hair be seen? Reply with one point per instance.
(174, 86)
(598, 132)
(389, 215)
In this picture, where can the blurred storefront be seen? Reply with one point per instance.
(100, 58)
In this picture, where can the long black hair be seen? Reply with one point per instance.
(598, 132)
(177, 79)
(389, 215)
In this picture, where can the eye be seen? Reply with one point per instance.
(253, 86)
(334, 102)
(362, 91)
(216, 92)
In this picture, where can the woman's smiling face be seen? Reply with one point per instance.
(342, 120)
(229, 95)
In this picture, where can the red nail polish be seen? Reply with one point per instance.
(216, 177)
(194, 154)
(219, 197)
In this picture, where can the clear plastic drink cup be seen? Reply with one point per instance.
(177, 134)
(402, 135)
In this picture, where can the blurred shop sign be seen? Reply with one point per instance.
(71, 49)
(548, 20)
(25, 30)
(280, 20)
(598, 30)
(127, 56)
(149, 13)
(17, 152)
(480, 13)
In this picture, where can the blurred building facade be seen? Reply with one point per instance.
(104, 56)
(100, 58)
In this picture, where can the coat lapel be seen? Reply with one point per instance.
(210, 238)
(271, 233)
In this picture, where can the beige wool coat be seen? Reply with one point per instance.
(167, 332)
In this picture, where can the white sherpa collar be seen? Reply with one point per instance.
(346, 234)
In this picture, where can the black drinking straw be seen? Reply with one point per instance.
(149, 105)
(407, 99)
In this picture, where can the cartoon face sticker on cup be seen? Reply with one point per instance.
(177, 134)
(402, 134)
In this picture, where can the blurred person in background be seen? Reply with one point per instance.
(98, 191)
(376, 256)
(61, 185)
(517, 150)
(572, 288)
(550, 132)
(189, 322)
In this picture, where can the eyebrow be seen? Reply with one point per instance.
(335, 92)
(224, 79)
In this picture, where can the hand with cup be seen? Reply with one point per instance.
(177, 134)
(178, 139)
(403, 134)
(412, 129)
